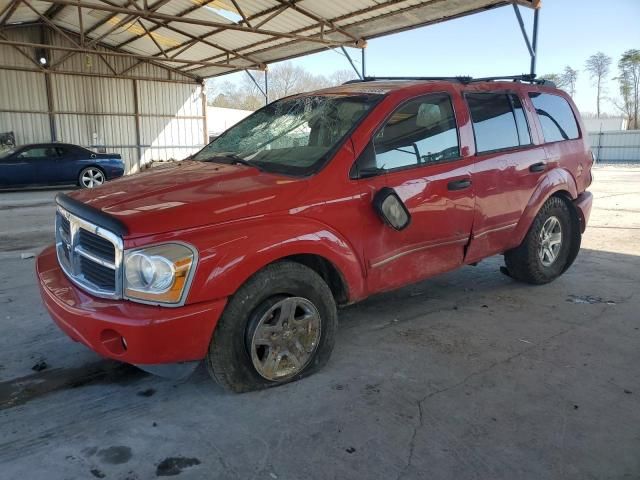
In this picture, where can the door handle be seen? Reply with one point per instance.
(537, 167)
(459, 184)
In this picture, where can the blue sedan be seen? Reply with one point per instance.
(57, 164)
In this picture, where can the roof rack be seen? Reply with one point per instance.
(525, 77)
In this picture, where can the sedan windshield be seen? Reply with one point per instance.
(294, 136)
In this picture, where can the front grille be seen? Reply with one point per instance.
(99, 275)
(97, 245)
(89, 255)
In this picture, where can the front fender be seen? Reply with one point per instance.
(553, 181)
(231, 253)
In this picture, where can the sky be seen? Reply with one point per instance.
(490, 43)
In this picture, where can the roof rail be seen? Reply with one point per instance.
(525, 77)
(375, 79)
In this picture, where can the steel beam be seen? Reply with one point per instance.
(114, 54)
(346, 54)
(522, 29)
(148, 14)
(534, 58)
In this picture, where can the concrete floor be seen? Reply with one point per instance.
(465, 376)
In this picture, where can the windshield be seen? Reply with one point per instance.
(294, 136)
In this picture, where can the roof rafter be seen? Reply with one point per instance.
(149, 14)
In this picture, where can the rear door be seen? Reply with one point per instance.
(417, 153)
(506, 171)
(70, 162)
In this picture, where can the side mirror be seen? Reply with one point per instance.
(391, 209)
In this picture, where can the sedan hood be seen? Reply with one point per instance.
(191, 194)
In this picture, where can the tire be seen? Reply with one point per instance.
(91, 177)
(531, 262)
(239, 361)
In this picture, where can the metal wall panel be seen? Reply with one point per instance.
(23, 91)
(618, 146)
(98, 111)
(177, 99)
(27, 127)
(92, 94)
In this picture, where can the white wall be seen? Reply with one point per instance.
(220, 119)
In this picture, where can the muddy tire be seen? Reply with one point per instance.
(278, 327)
(550, 246)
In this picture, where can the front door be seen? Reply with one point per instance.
(29, 166)
(417, 153)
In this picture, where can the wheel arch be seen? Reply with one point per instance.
(261, 244)
(558, 182)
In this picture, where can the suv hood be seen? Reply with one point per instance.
(190, 194)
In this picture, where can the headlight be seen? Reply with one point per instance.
(159, 273)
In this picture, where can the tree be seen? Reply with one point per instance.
(629, 79)
(598, 67)
(556, 78)
(569, 79)
(284, 79)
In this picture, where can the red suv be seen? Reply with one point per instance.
(240, 254)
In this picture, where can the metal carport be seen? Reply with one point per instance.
(126, 75)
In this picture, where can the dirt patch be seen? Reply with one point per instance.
(24, 389)
(115, 455)
(174, 465)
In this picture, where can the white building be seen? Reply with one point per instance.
(220, 119)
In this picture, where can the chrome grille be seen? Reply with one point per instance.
(89, 255)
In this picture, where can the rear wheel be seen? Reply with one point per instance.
(91, 177)
(549, 247)
(280, 326)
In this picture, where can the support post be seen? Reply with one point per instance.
(204, 113)
(49, 92)
(136, 111)
(364, 70)
(534, 57)
(50, 107)
(266, 87)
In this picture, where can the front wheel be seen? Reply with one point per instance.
(549, 247)
(279, 326)
(91, 177)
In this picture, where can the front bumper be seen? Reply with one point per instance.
(124, 330)
(583, 205)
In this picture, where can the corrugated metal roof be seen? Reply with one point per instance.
(205, 38)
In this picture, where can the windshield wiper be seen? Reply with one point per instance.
(235, 160)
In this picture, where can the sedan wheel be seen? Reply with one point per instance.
(91, 177)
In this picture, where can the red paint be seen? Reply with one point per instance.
(240, 220)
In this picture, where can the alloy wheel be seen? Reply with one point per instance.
(92, 177)
(550, 241)
(285, 338)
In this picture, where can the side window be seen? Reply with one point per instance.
(556, 117)
(494, 123)
(521, 120)
(37, 152)
(422, 131)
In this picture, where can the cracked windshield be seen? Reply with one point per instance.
(294, 136)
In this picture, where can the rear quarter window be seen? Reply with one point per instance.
(494, 121)
(556, 117)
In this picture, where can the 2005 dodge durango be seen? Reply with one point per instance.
(241, 254)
